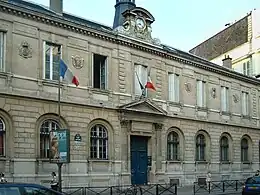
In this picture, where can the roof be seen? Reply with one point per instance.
(229, 38)
(104, 32)
(69, 17)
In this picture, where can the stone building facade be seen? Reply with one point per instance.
(202, 117)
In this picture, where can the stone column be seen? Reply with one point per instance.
(158, 135)
(156, 153)
(125, 146)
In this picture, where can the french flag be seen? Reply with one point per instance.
(149, 84)
(66, 74)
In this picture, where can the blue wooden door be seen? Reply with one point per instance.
(139, 160)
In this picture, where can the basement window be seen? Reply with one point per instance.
(99, 71)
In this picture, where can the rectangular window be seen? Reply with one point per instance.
(245, 103)
(247, 69)
(201, 93)
(52, 56)
(2, 51)
(140, 78)
(224, 99)
(173, 87)
(99, 71)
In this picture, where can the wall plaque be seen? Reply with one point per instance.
(77, 138)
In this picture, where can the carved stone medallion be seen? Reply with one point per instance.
(187, 87)
(25, 50)
(77, 61)
(235, 98)
(213, 92)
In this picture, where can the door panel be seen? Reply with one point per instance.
(139, 159)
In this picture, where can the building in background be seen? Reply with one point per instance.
(240, 41)
(201, 117)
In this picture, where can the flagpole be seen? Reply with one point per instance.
(59, 164)
(59, 90)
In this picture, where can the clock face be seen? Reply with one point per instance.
(140, 23)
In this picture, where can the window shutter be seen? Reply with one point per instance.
(144, 75)
(247, 104)
(244, 68)
(227, 99)
(170, 87)
(138, 90)
(244, 103)
(199, 95)
(222, 98)
(204, 94)
(177, 88)
(1, 51)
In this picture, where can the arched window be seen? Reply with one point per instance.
(224, 148)
(244, 150)
(46, 127)
(2, 137)
(173, 146)
(200, 147)
(98, 142)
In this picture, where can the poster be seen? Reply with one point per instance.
(60, 146)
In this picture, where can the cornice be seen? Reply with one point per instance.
(111, 36)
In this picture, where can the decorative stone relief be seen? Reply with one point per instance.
(235, 98)
(213, 92)
(137, 24)
(77, 61)
(25, 50)
(187, 87)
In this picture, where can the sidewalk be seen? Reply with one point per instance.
(188, 190)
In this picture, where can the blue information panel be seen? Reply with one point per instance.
(60, 146)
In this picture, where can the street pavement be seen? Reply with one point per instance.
(188, 190)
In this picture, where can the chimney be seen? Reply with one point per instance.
(56, 6)
(227, 62)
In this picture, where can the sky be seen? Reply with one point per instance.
(182, 24)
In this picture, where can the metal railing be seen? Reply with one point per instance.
(151, 189)
(215, 187)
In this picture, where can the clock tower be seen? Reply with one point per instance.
(120, 7)
(135, 22)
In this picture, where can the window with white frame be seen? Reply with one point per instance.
(98, 142)
(173, 87)
(99, 71)
(247, 68)
(245, 103)
(201, 93)
(140, 78)
(2, 51)
(224, 99)
(52, 56)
